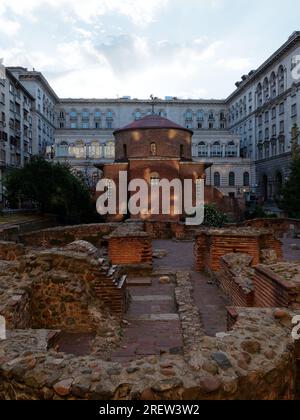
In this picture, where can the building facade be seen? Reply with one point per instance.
(264, 111)
(16, 126)
(247, 137)
(85, 135)
(44, 110)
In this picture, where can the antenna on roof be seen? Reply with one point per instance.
(153, 99)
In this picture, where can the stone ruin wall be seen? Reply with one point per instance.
(60, 289)
(256, 359)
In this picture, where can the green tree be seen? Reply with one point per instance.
(53, 189)
(213, 217)
(290, 201)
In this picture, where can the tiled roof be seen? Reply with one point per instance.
(152, 121)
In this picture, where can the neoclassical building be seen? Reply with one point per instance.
(248, 136)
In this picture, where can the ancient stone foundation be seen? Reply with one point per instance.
(211, 245)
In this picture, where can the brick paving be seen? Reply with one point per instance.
(290, 254)
(154, 325)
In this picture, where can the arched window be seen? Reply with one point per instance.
(217, 179)
(85, 115)
(138, 115)
(273, 85)
(231, 179)
(63, 149)
(281, 79)
(246, 179)
(94, 150)
(109, 150)
(97, 114)
(80, 150)
(189, 115)
(211, 116)
(200, 115)
(231, 149)
(153, 149)
(266, 89)
(259, 94)
(217, 149)
(202, 149)
(125, 150)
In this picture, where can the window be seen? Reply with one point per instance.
(281, 108)
(73, 114)
(281, 125)
(85, 115)
(259, 94)
(125, 150)
(231, 150)
(181, 151)
(294, 110)
(274, 113)
(109, 150)
(273, 85)
(153, 149)
(188, 116)
(199, 125)
(202, 150)
(97, 114)
(281, 79)
(63, 150)
(94, 150)
(109, 125)
(85, 125)
(217, 150)
(73, 125)
(274, 130)
(246, 179)
(138, 115)
(200, 115)
(266, 116)
(232, 179)
(217, 179)
(266, 89)
(80, 150)
(267, 134)
(211, 125)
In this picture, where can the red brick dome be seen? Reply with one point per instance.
(153, 122)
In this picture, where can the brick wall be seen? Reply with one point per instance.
(236, 286)
(61, 236)
(212, 245)
(130, 251)
(271, 290)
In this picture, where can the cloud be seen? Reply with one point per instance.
(139, 12)
(9, 27)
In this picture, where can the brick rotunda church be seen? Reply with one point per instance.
(154, 148)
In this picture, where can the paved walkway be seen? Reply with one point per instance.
(290, 254)
(154, 324)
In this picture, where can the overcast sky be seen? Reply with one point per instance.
(110, 48)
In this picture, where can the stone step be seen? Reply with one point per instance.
(154, 317)
(147, 281)
(152, 298)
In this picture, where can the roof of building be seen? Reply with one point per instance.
(152, 121)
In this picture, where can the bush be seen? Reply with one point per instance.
(213, 217)
(53, 188)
